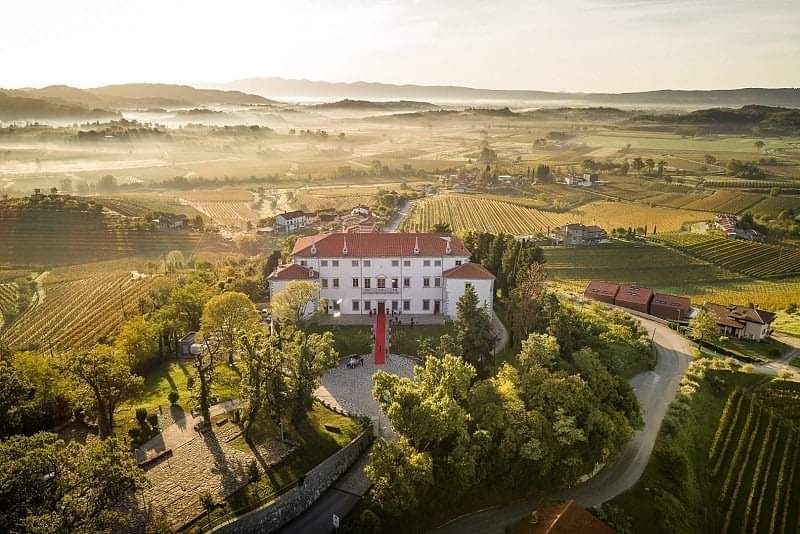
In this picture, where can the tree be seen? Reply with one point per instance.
(263, 386)
(703, 327)
(638, 164)
(307, 358)
(103, 377)
(442, 228)
(400, 475)
(16, 399)
(525, 302)
(225, 317)
(539, 350)
(474, 330)
(48, 485)
(204, 362)
(290, 306)
(760, 145)
(138, 340)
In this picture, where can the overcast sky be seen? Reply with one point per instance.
(573, 45)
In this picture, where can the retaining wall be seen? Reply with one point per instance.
(294, 502)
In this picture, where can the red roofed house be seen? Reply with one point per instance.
(742, 322)
(602, 291)
(634, 298)
(670, 307)
(395, 272)
(279, 279)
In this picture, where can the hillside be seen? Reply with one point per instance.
(281, 87)
(766, 118)
(369, 105)
(16, 108)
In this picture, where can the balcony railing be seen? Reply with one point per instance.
(382, 291)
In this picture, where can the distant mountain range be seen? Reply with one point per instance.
(63, 101)
(282, 88)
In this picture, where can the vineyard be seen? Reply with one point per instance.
(467, 213)
(772, 206)
(227, 212)
(753, 460)
(78, 313)
(8, 299)
(758, 260)
(51, 237)
(725, 202)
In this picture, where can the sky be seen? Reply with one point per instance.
(559, 45)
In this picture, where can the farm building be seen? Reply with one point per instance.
(364, 273)
(292, 220)
(634, 298)
(670, 307)
(602, 291)
(577, 234)
(742, 322)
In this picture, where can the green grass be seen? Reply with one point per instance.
(766, 350)
(795, 362)
(787, 323)
(406, 340)
(316, 444)
(173, 375)
(355, 339)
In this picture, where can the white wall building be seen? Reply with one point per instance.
(405, 273)
(292, 220)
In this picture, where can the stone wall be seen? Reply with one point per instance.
(294, 502)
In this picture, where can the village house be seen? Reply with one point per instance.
(292, 220)
(403, 273)
(742, 322)
(577, 234)
(171, 221)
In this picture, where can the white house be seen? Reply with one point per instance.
(405, 273)
(292, 220)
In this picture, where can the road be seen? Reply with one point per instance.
(782, 363)
(399, 216)
(655, 390)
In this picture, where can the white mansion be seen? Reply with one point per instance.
(403, 273)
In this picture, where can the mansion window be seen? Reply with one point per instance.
(324, 283)
(458, 262)
(355, 263)
(394, 305)
(406, 263)
(367, 283)
(426, 305)
(395, 283)
(355, 282)
(367, 305)
(324, 263)
(437, 263)
(356, 305)
(303, 263)
(426, 263)
(381, 283)
(335, 263)
(335, 282)
(406, 282)
(406, 305)
(395, 263)
(426, 282)
(437, 282)
(367, 263)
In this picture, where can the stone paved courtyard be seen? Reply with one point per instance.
(351, 389)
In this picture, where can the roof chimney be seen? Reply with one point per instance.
(448, 249)
(416, 245)
(314, 248)
(344, 246)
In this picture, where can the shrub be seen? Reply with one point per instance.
(141, 415)
(252, 470)
(173, 397)
(152, 420)
(190, 382)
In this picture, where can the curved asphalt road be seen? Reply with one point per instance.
(655, 390)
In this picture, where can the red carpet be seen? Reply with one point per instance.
(380, 338)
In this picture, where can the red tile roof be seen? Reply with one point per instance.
(672, 301)
(376, 245)
(634, 294)
(553, 517)
(608, 289)
(736, 316)
(469, 271)
(293, 271)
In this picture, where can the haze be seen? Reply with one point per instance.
(575, 45)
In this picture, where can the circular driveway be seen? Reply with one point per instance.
(351, 389)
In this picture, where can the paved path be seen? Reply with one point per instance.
(782, 363)
(655, 390)
(399, 216)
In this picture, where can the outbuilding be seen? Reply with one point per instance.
(670, 307)
(601, 291)
(634, 298)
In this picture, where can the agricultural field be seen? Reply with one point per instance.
(610, 215)
(469, 213)
(773, 206)
(788, 323)
(725, 202)
(78, 313)
(753, 460)
(758, 260)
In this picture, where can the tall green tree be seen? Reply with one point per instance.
(525, 303)
(51, 486)
(263, 387)
(400, 475)
(225, 317)
(104, 379)
(16, 399)
(474, 330)
(307, 358)
(290, 306)
(703, 327)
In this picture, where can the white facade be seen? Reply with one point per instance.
(291, 221)
(403, 284)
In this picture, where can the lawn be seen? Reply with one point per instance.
(173, 375)
(316, 444)
(788, 323)
(754, 350)
(351, 339)
(406, 339)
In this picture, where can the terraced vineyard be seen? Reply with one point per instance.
(78, 313)
(468, 213)
(772, 206)
(753, 460)
(8, 299)
(758, 260)
(725, 202)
